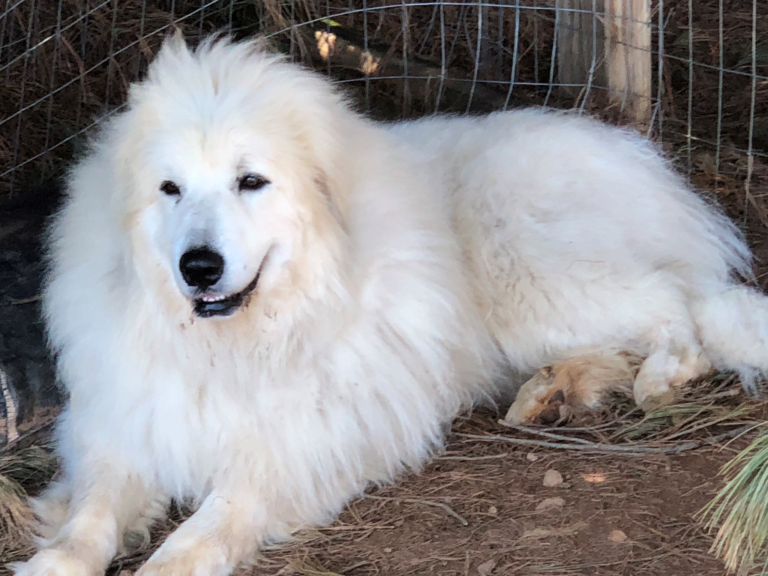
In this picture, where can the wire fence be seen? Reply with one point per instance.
(65, 65)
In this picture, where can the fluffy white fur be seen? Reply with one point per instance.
(406, 265)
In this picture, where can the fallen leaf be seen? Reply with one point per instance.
(596, 478)
(548, 504)
(552, 478)
(486, 567)
(617, 536)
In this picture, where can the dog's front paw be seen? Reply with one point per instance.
(203, 560)
(53, 562)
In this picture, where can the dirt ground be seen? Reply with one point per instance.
(616, 515)
(611, 515)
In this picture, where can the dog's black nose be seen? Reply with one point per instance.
(201, 267)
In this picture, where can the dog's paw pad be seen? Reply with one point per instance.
(556, 410)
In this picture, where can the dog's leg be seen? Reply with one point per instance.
(225, 531)
(92, 513)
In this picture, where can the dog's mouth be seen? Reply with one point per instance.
(210, 305)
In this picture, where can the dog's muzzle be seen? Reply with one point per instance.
(201, 269)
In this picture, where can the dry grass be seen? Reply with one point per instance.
(20, 471)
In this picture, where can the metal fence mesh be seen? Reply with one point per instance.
(67, 64)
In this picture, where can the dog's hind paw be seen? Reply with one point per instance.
(577, 383)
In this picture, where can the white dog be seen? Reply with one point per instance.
(262, 302)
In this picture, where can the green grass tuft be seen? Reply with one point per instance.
(739, 512)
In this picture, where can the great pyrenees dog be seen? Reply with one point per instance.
(262, 303)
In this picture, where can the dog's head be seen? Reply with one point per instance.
(227, 161)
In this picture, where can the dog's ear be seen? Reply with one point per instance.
(173, 50)
(174, 43)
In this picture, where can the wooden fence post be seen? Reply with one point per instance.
(628, 56)
(613, 46)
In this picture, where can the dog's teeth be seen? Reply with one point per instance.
(213, 298)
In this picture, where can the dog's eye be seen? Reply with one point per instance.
(252, 182)
(170, 189)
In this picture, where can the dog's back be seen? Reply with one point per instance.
(580, 239)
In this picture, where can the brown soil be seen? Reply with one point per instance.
(402, 531)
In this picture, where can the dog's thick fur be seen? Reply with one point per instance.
(403, 267)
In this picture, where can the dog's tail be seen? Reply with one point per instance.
(733, 325)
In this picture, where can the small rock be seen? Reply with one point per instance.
(548, 504)
(552, 478)
(387, 550)
(492, 510)
(617, 536)
(486, 567)
(531, 457)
